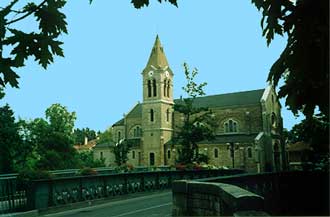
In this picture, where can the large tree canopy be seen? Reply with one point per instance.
(42, 44)
(304, 63)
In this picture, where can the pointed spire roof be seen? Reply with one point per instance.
(157, 57)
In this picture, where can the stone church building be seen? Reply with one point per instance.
(248, 136)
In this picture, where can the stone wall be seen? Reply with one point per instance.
(191, 198)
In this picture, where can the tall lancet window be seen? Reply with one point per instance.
(168, 88)
(168, 115)
(149, 88)
(151, 115)
(154, 86)
(165, 89)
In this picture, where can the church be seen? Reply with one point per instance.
(248, 134)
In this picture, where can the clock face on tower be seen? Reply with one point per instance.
(151, 73)
(167, 74)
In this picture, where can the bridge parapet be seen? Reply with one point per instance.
(192, 198)
(62, 191)
(295, 193)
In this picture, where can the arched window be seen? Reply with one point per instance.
(226, 127)
(149, 88)
(168, 115)
(101, 155)
(165, 87)
(168, 88)
(168, 154)
(249, 152)
(133, 154)
(151, 115)
(154, 87)
(216, 153)
(231, 126)
(273, 117)
(135, 133)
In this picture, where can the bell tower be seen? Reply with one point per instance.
(157, 106)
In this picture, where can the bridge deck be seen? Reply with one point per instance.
(156, 204)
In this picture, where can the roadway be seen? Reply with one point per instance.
(156, 204)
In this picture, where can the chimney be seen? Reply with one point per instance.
(86, 140)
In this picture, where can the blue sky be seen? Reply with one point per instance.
(109, 43)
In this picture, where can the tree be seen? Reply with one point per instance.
(9, 139)
(314, 131)
(81, 134)
(2, 94)
(304, 63)
(60, 119)
(86, 159)
(105, 137)
(42, 44)
(198, 122)
(121, 150)
(54, 139)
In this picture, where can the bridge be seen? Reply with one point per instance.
(163, 193)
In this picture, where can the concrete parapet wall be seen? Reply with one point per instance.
(192, 198)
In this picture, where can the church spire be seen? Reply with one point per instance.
(157, 57)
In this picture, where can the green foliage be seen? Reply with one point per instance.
(314, 131)
(53, 139)
(86, 159)
(198, 122)
(304, 63)
(60, 119)
(142, 3)
(2, 94)
(80, 135)
(121, 150)
(28, 174)
(10, 139)
(105, 137)
(42, 44)
(202, 158)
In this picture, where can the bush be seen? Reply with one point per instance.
(25, 176)
(29, 174)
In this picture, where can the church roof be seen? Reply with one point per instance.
(228, 99)
(157, 57)
(119, 123)
(136, 111)
(214, 101)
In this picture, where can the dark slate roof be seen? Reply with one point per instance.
(229, 99)
(221, 100)
(119, 123)
(136, 111)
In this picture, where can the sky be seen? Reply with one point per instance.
(109, 43)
